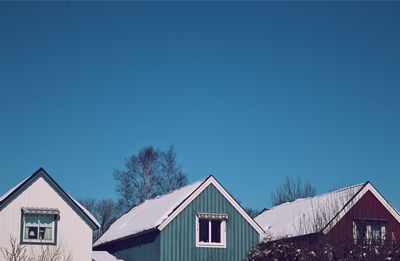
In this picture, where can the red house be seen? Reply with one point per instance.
(352, 215)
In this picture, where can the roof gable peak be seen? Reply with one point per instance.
(211, 180)
(41, 173)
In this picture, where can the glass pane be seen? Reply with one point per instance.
(46, 219)
(31, 219)
(203, 230)
(45, 233)
(216, 231)
(376, 231)
(31, 233)
(361, 232)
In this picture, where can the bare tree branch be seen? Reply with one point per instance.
(16, 252)
(291, 190)
(106, 212)
(148, 174)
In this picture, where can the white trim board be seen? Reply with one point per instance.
(210, 244)
(211, 180)
(368, 187)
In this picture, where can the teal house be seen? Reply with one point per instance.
(199, 222)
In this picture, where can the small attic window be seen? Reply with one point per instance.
(39, 226)
(211, 230)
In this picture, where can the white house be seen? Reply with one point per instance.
(40, 216)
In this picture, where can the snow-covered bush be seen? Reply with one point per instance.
(286, 249)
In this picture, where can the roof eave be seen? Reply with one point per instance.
(141, 233)
(42, 173)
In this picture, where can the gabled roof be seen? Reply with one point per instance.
(5, 195)
(10, 195)
(315, 214)
(157, 213)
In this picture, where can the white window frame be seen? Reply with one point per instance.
(39, 212)
(209, 216)
(369, 236)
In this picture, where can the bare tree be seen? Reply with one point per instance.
(172, 176)
(291, 190)
(106, 212)
(324, 210)
(89, 204)
(52, 253)
(148, 174)
(16, 252)
(140, 178)
(252, 212)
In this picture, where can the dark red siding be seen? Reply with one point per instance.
(367, 207)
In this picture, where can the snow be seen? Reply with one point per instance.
(11, 190)
(103, 256)
(305, 215)
(86, 212)
(75, 201)
(147, 215)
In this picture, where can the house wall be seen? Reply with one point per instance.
(145, 247)
(73, 234)
(367, 207)
(178, 239)
(147, 250)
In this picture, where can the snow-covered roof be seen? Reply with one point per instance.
(147, 215)
(103, 256)
(45, 175)
(86, 211)
(305, 215)
(2, 197)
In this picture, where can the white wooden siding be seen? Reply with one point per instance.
(73, 233)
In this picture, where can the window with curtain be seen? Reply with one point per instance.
(366, 231)
(38, 227)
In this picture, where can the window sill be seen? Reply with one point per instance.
(211, 245)
(37, 242)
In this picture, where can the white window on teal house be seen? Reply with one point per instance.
(211, 230)
(39, 226)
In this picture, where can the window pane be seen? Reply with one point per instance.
(45, 233)
(203, 230)
(361, 232)
(216, 231)
(376, 231)
(31, 219)
(46, 219)
(31, 233)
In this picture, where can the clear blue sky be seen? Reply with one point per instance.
(248, 92)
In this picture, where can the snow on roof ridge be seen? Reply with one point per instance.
(9, 192)
(286, 219)
(149, 214)
(168, 193)
(317, 196)
(87, 212)
(2, 197)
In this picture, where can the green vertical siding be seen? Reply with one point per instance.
(178, 239)
(142, 252)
